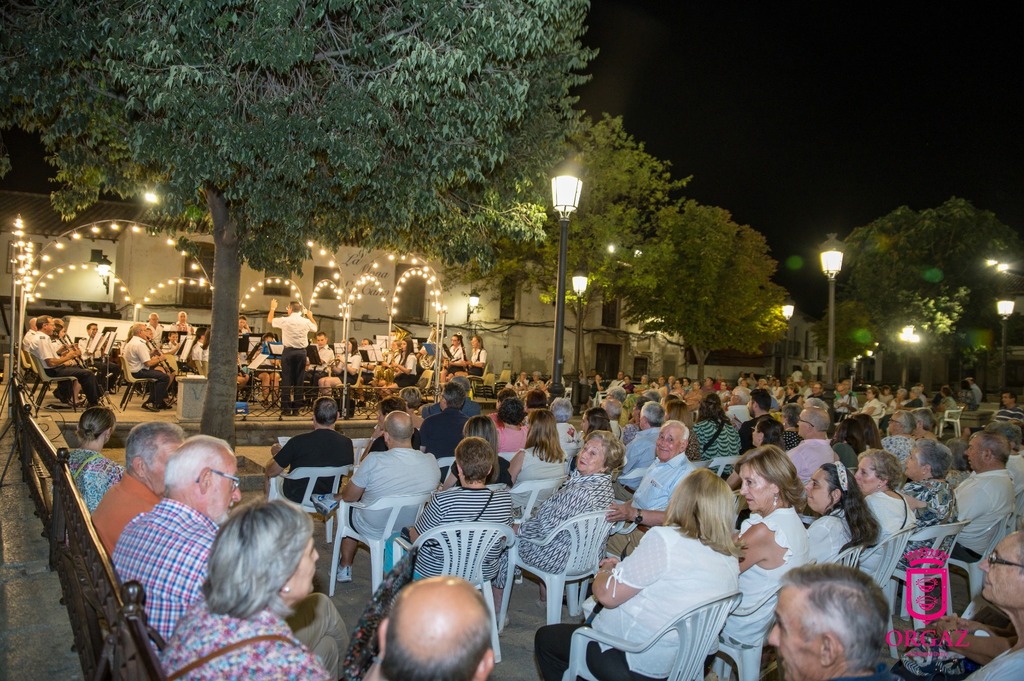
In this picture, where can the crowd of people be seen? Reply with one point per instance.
(808, 480)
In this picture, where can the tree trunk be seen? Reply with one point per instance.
(219, 409)
(702, 357)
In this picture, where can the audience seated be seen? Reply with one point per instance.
(92, 472)
(986, 497)
(773, 538)
(829, 621)
(322, 447)
(690, 560)
(147, 450)
(543, 456)
(845, 518)
(259, 583)
(438, 628)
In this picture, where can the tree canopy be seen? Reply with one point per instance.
(708, 279)
(423, 126)
(927, 268)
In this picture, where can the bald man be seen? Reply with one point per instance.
(439, 630)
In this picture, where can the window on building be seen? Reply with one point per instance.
(192, 294)
(607, 359)
(412, 298)
(610, 313)
(507, 298)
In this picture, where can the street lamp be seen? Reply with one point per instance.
(1005, 309)
(788, 308)
(565, 195)
(909, 336)
(831, 264)
(579, 286)
(474, 303)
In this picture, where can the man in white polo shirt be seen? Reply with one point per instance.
(295, 330)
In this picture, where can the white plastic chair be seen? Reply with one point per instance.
(358, 445)
(310, 474)
(464, 548)
(696, 629)
(975, 577)
(891, 550)
(588, 534)
(746, 655)
(951, 416)
(539, 490)
(508, 456)
(403, 512)
(718, 463)
(942, 537)
(445, 464)
(849, 557)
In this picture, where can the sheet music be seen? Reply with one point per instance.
(108, 342)
(92, 344)
(185, 349)
(257, 361)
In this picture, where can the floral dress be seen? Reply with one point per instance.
(940, 508)
(93, 474)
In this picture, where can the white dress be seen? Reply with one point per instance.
(828, 535)
(758, 582)
(673, 573)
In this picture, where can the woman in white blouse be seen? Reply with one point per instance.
(879, 474)
(845, 518)
(691, 559)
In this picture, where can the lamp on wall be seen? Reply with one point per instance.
(103, 268)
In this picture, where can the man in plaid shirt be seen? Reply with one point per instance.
(166, 549)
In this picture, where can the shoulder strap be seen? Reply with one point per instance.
(85, 463)
(484, 507)
(196, 664)
(721, 425)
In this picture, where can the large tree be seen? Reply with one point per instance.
(423, 126)
(625, 188)
(927, 268)
(708, 279)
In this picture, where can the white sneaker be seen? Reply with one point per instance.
(345, 574)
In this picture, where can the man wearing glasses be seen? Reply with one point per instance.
(814, 450)
(165, 550)
(985, 644)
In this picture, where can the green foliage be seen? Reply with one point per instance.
(926, 268)
(854, 331)
(425, 126)
(708, 279)
(624, 191)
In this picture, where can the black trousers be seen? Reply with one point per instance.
(293, 370)
(551, 646)
(158, 391)
(86, 379)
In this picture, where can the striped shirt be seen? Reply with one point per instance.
(460, 504)
(165, 550)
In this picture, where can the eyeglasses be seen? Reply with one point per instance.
(993, 559)
(807, 422)
(235, 480)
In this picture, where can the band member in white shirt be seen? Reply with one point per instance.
(295, 330)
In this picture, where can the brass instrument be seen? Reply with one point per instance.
(385, 373)
(427, 361)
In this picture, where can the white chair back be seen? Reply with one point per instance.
(538, 491)
(311, 475)
(891, 550)
(696, 629)
(849, 557)
(718, 463)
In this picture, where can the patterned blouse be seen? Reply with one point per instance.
(93, 474)
(580, 494)
(201, 632)
(726, 444)
(940, 507)
(791, 439)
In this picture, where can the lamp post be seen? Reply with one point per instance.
(474, 303)
(579, 286)
(788, 308)
(831, 264)
(1005, 309)
(910, 337)
(565, 195)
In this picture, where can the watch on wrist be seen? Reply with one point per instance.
(639, 519)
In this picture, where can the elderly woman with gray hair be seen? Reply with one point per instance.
(260, 572)
(927, 492)
(900, 440)
(569, 436)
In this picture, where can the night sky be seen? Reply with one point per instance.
(808, 118)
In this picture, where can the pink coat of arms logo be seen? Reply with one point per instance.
(927, 592)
